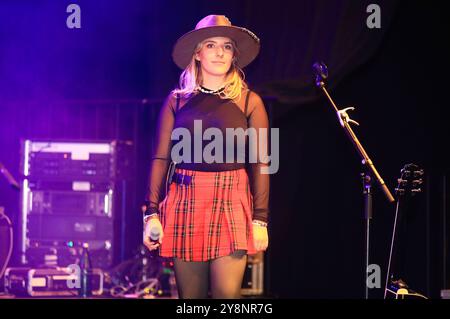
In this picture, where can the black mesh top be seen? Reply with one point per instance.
(211, 111)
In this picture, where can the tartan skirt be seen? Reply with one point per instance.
(209, 218)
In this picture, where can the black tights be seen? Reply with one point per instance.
(226, 276)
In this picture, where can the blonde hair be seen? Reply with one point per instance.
(191, 78)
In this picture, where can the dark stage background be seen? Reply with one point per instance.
(107, 80)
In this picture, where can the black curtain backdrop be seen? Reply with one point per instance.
(107, 81)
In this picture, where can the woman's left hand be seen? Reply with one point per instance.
(260, 237)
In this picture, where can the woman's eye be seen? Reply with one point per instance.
(229, 47)
(210, 45)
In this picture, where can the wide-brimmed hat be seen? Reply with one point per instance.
(247, 42)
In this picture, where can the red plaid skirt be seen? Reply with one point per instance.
(209, 218)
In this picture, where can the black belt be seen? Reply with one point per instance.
(181, 179)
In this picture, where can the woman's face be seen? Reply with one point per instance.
(216, 55)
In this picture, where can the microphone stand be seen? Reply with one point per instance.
(370, 172)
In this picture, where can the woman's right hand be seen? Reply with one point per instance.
(153, 225)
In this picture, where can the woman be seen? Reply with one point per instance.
(215, 211)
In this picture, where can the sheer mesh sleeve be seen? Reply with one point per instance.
(161, 153)
(259, 182)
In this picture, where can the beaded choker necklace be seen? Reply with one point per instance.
(208, 91)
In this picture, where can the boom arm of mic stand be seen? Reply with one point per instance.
(362, 152)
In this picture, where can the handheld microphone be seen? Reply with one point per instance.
(154, 234)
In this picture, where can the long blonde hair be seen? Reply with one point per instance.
(191, 78)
